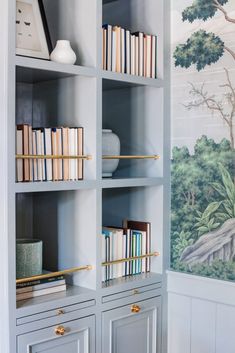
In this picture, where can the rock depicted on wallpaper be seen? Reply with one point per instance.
(203, 154)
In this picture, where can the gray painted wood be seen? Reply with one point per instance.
(137, 333)
(79, 337)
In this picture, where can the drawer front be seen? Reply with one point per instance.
(76, 336)
(133, 328)
(131, 293)
(62, 311)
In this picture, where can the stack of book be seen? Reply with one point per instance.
(134, 239)
(130, 53)
(65, 141)
(37, 288)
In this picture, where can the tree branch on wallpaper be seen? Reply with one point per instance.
(203, 183)
(224, 106)
(202, 48)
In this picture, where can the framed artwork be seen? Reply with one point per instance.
(32, 34)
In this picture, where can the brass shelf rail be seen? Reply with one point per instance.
(53, 274)
(155, 156)
(115, 262)
(42, 156)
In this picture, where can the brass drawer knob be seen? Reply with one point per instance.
(60, 330)
(135, 308)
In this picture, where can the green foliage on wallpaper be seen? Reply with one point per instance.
(203, 198)
(202, 48)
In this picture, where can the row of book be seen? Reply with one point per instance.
(58, 141)
(37, 288)
(134, 239)
(130, 53)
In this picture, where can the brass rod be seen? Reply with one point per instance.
(53, 274)
(130, 259)
(132, 157)
(42, 156)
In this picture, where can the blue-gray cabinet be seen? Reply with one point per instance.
(76, 336)
(134, 328)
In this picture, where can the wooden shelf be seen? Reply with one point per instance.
(117, 80)
(131, 182)
(31, 70)
(50, 186)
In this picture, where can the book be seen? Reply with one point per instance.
(123, 50)
(72, 152)
(35, 161)
(48, 151)
(80, 151)
(148, 56)
(128, 52)
(153, 61)
(40, 281)
(65, 152)
(143, 227)
(114, 50)
(59, 153)
(118, 48)
(39, 152)
(19, 150)
(141, 54)
(104, 51)
(43, 153)
(25, 133)
(108, 29)
(37, 293)
(132, 54)
(30, 152)
(40, 286)
(137, 55)
(54, 153)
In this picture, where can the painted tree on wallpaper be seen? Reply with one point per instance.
(203, 189)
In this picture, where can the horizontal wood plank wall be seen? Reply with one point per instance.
(201, 315)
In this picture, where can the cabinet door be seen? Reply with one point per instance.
(133, 332)
(78, 337)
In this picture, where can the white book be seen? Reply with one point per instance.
(132, 55)
(114, 51)
(153, 69)
(124, 254)
(103, 257)
(19, 150)
(123, 50)
(39, 152)
(117, 239)
(59, 153)
(75, 153)
(128, 251)
(137, 55)
(128, 52)
(141, 54)
(30, 152)
(35, 162)
(48, 151)
(148, 56)
(71, 153)
(144, 251)
(40, 292)
(43, 153)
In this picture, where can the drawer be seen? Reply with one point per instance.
(150, 289)
(70, 336)
(62, 311)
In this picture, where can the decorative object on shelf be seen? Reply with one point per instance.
(63, 53)
(110, 146)
(28, 257)
(32, 34)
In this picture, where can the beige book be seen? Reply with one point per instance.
(19, 150)
(65, 150)
(118, 48)
(104, 51)
(54, 153)
(59, 152)
(148, 56)
(80, 152)
(30, 152)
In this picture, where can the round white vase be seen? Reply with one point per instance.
(110, 147)
(63, 53)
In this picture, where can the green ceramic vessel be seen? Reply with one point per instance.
(28, 257)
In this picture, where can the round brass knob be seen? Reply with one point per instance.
(135, 308)
(60, 330)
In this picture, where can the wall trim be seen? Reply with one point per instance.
(201, 287)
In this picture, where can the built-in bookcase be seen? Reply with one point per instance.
(68, 216)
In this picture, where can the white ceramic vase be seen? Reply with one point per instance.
(110, 147)
(63, 53)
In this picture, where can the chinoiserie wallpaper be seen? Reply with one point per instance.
(203, 138)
